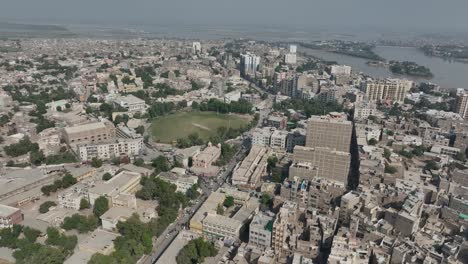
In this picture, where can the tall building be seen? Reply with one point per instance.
(327, 151)
(196, 47)
(292, 49)
(290, 58)
(462, 105)
(260, 230)
(388, 89)
(249, 64)
(331, 131)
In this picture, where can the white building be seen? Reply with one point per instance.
(290, 58)
(260, 231)
(233, 96)
(183, 182)
(262, 136)
(340, 70)
(105, 151)
(196, 47)
(249, 63)
(132, 103)
(278, 139)
(292, 49)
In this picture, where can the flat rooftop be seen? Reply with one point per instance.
(6, 210)
(85, 128)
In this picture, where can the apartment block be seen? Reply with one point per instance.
(320, 162)
(89, 133)
(119, 190)
(394, 90)
(332, 131)
(247, 173)
(260, 231)
(118, 148)
(9, 216)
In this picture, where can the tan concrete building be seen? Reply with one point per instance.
(248, 173)
(387, 89)
(320, 162)
(462, 105)
(332, 131)
(89, 133)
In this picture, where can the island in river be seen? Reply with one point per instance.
(408, 68)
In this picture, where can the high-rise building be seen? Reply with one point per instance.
(249, 64)
(331, 131)
(196, 47)
(389, 89)
(290, 58)
(292, 49)
(462, 105)
(327, 151)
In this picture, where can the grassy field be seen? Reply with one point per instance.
(169, 128)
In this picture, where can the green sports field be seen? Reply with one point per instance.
(169, 128)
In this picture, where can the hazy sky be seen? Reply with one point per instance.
(427, 15)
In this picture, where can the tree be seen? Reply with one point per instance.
(460, 157)
(372, 142)
(96, 163)
(228, 201)
(160, 164)
(36, 157)
(59, 108)
(140, 130)
(431, 165)
(139, 162)
(84, 204)
(390, 169)
(68, 180)
(107, 176)
(44, 207)
(271, 163)
(387, 153)
(220, 209)
(265, 200)
(196, 251)
(81, 223)
(31, 234)
(101, 205)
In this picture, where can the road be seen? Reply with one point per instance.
(166, 238)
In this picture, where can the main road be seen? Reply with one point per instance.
(166, 238)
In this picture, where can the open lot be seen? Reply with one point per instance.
(169, 128)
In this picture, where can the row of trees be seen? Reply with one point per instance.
(196, 251)
(56, 249)
(309, 107)
(135, 240)
(67, 181)
(22, 147)
(241, 107)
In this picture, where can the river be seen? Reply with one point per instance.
(447, 74)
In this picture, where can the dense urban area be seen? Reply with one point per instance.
(226, 151)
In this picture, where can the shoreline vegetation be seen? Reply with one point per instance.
(449, 52)
(408, 68)
(354, 49)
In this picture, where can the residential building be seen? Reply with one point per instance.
(207, 157)
(340, 70)
(327, 163)
(332, 131)
(278, 139)
(89, 133)
(119, 190)
(247, 173)
(131, 103)
(461, 106)
(249, 64)
(9, 216)
(111, 217)
(394, 90)
(262, 136)
(183, 182)
(105, 151)
(260, 231)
